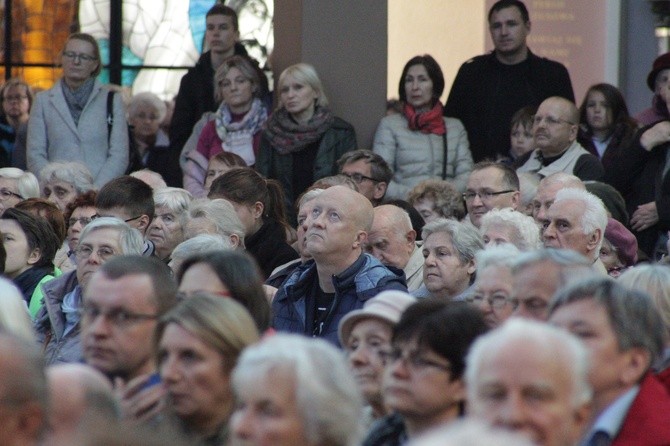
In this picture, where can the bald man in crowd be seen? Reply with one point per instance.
(318, 294)
(547, 190)
(393, 241)
(555, 131)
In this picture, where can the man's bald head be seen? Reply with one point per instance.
(391, 239)
(547, 190)
(555, 126)
(356, 204)
(391, 216)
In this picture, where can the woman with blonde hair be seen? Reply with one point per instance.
(197, 345)
(302, 140)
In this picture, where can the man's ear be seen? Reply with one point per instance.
(143, 223)
(235, 241)
(637, 361)
(516, 199)
(410, 236)
(380, 190)
(594, 239)
(361, 238)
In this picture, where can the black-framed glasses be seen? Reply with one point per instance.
(81, 56)
(6, 194)
(413, 360)
(359, 177)
(96, 216)
(118, 317)
(484, 194)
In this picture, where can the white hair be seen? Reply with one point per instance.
(70, 172)
(221, 214)
(149, 99)
(595, 213)
(174, 198)
(199, 243)
(464, 237)
(130, 239)
(326, 395)
(501, 255)
(528, 184)
(26, 182)
(471, 432)
(526, 234)
(562, 345)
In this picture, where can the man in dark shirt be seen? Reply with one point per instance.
(489, 89)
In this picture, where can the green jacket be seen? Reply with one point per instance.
(37, 299)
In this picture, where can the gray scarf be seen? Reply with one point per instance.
(77, 99)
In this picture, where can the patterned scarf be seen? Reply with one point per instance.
(426, 122)
(238, 137)
(76, 99)
(288, 136)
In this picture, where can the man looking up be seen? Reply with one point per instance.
(315, 296)
(489, 89)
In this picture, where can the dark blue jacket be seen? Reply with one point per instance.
(364, 279)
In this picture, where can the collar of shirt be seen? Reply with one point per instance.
(611, 419)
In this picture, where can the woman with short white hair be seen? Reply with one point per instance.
(166, 230)
(506, 225)
(16, 185)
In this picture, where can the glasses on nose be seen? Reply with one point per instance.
(358, 177)
(413, 360)
(484, 194)
(118, 318)
(81, 56)
(96, 216)
(15, 98)
(83, 221)
(83, 252)
(497, 301)
(6, 194)
(550, 120)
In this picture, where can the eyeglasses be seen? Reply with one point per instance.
(81, 56)
(497, 301)
(83, 252)
(82, 221)
(15, 98)
(118, 318)
(484, 194)
(413, 360)
(96, 216)
(6, 194)
(550, 120)
(358, 177)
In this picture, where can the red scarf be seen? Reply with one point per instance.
(426, 122)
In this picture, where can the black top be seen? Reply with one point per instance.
(268, 246)
(486, 93)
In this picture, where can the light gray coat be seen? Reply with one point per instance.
(414, 156)
(53, 135)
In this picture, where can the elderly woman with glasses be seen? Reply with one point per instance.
(420, 143)
(166, 230)
(78, 119)
(16, 185)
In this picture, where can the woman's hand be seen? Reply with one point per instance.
(655, 135)
(645, 216)
(138, 399)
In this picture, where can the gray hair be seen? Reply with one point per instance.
(571, 265)
(501, 255)
(26, 182)
(326, 394)
(174, 198)
(525, 233)
(464, 237)
(198, 244)
(528, 184)
(564, 346)
(471, 432)
(149, 99)
(595, 213)
(564, 179)
(652, 279)
(130, 239)
(309, 195)
(220, 213)
(70, 172)
(632, 314)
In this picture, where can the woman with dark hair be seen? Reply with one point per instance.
(31, 245)
(237, 124)
(232, 274)
(605, 125)
(71, 121)
(259, 203)
(420, 143)
(302, 140)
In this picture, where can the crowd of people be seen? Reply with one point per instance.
(492, 271)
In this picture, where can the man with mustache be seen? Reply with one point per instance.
(555, 132)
